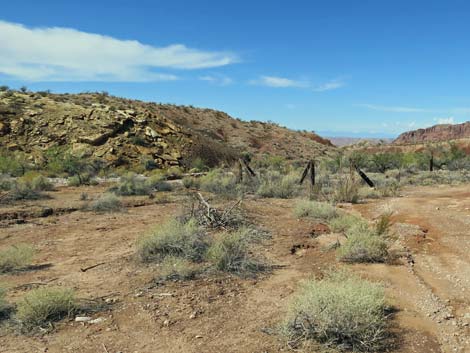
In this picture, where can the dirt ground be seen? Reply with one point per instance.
(429, 286)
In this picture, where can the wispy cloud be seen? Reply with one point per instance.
(330, 85)
(65, 54)
(278, 82)
(284, 82)
(394, 109)
(219, 80)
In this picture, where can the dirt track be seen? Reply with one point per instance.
(229, 314)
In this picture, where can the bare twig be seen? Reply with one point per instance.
(91, 267)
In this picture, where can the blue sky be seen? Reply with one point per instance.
(335, 67)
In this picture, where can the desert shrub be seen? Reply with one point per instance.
(3, 303)
(23, 191)
(344, 222)
(106, 203)
(219, 182)
(339, 310)
(177, 268)
(363, 245)
(274, 184)
(45, 305)
(346, 189)
(191, 183)
(132, 184)
(174, 172)
(36, 181)
(13, 163)
(173, 238)
(16, 257)
(230, 253)
(6, 183)
(383, 223)
(315, 209)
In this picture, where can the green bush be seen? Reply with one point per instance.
(383, 224)
(106, 203)
(230, 253)
(314, 209)
(344, 222)
(132, 184)
(45, 305)
(339, 310)
(274, 184)
(16, 257)
(346, 190)
(219, 182)
(173, 239)
(363, 245)
(191, 183)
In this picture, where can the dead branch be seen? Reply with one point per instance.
(91, 267)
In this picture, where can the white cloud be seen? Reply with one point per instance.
(278, 82)
(393, 109)
(283, 82)
(449, 120)
(64, 54)
(218, 80)
(328, 86)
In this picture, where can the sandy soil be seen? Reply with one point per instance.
(222, 313)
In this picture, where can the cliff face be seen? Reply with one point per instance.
(124, 132)
(444, 132)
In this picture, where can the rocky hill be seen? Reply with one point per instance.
(124, 132)
(436, 133)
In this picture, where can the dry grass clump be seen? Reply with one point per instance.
(106, 203)
(134, 185)
(344, 221)
(42, 306)
(173, 238)
(230, 253)
(340, 310)
(16, 257)
(191, 182)
(177, 268)
(36, 181)
(314, 209)
(363, 245)
(383, 223)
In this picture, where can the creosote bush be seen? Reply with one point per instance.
(173, 238)
(363, 245)
(230, 253)
(16, 257)
(314, 209)
(45, 305)
(106, 203)
(339, 310)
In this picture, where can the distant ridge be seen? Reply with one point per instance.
(436, 133)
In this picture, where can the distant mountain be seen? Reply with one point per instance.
(347, 141)
(436, 133)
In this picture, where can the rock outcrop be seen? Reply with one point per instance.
(436, 133)
(122, 131)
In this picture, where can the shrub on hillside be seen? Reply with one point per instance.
(346, 189)
(173, 238)
(45, 305)
(314, 209)
(339, 310)
(363, 245)
(16, 257)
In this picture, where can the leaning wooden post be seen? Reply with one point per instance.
(431, 163)
(305, 172)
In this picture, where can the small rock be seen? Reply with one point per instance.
(83, 319)
(97, 321)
